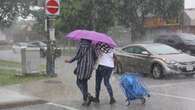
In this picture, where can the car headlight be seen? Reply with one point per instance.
(172, 62)
(45, 48)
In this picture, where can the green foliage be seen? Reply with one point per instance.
(104, 14)
(8, 77)
(98, 15)
(10, 64)
(68, 15)
(168, 9)
(40, 17)
(11, 9)
(131, 13)
(87, 14)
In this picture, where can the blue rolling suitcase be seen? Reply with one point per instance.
(133, 88)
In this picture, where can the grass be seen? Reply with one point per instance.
(68, 52)
(11, 64)
(8, 77)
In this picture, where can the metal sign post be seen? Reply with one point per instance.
(51, 9)
(50, 48)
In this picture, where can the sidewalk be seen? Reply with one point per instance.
(61, 90)
(51, 90)
(10, 98)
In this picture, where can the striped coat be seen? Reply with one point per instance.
(85, 57)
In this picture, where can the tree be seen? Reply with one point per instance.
(86, 14)
(104, 14)
(132, 13)
(168, 9)
(68, 17)
(39, 15)
(11, 9)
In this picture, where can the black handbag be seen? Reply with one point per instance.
(75, 70)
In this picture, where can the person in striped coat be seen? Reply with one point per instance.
(86, 59)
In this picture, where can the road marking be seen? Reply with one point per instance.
(174, 96)
(170, 84)
(62, 106)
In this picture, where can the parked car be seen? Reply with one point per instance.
(41, 45)
(182, 41)
(154, 59)
(36, 44)
(18, 46)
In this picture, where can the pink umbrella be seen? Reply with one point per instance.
(91, 35)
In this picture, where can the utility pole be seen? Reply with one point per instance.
(50, 67)
(52, 9)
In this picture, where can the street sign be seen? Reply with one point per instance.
(52, 7)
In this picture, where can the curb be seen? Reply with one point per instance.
(10, 99)
(21, 103)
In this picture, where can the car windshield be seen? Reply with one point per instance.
(21, 44)
(161, 49)
(38, 44)
(188, 38)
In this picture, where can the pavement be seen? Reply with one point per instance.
(10, 98)
(61, 93)
(39, 92)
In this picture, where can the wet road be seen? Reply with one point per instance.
(10, 55)
(170, 94)
(175, 93)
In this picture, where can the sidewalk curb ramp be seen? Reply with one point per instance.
(10, 99)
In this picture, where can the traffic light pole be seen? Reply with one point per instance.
(50, 67)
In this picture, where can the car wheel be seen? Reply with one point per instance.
(42, 53)
(157, 71)
(119, 68)
(190, 75)
(143, 100)
(188, 52)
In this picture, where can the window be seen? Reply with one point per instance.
(138, 50)
(161, 39)
(176, 39)
(134, 49)
(161, 49)
(128, 49)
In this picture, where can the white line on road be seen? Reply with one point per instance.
(173, 96)
(170, 84)
(62, 106)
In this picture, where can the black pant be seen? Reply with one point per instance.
(103, 72)
(83, 86)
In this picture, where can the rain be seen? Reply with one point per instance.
(54, 54)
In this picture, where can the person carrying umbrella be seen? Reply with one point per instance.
(86, 58)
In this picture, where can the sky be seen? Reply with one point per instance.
(189, 4)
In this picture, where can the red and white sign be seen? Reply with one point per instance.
(52, 7)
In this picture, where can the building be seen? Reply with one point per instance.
(155, 25)
(189, 20)
(155, 22)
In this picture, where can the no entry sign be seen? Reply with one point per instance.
(52, 7)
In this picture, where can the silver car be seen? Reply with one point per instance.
(36, 44)
(155, 59)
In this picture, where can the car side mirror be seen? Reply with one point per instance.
(145, 53)
(180, 51)
(170, 41)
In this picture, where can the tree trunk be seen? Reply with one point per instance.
(137, 32)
